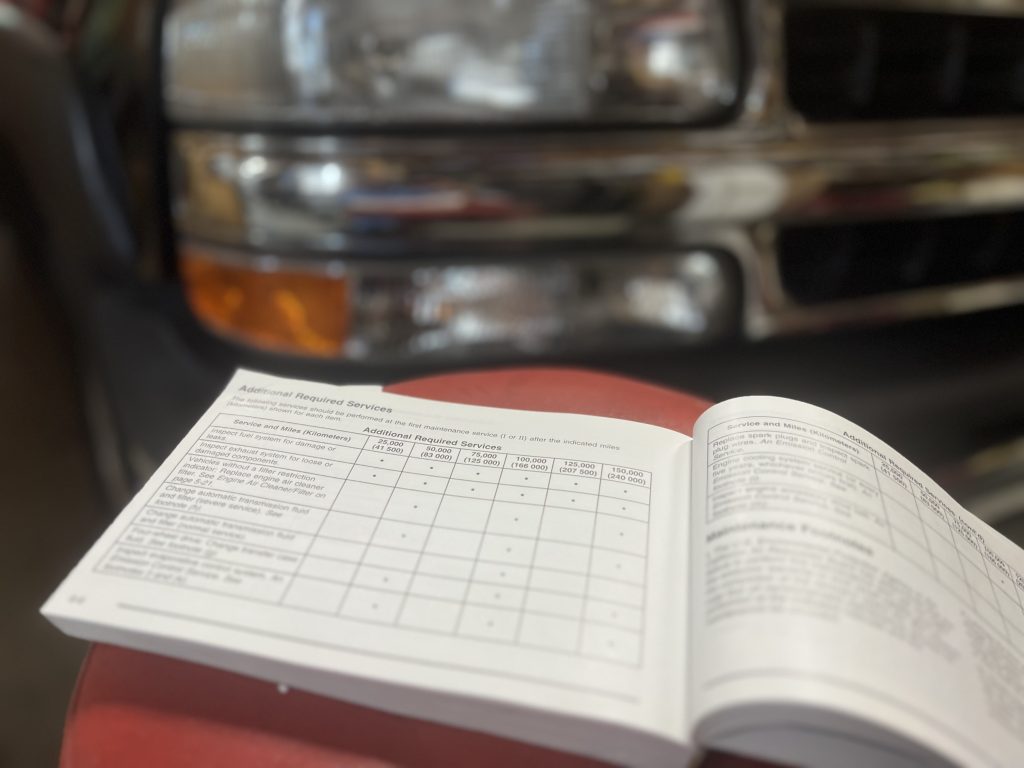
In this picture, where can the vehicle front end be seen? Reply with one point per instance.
(819, 199)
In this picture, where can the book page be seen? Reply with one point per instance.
(829, 572)
(412, 555)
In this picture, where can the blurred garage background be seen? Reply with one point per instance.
(809, 198)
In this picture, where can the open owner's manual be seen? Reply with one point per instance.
(783, 585)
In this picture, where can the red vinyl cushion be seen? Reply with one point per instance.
(137, 709)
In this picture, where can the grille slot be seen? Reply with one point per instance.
(851, 64)
(823, 263)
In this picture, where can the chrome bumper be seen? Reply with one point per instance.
(509, 196)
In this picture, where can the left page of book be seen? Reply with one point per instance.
(416, 556)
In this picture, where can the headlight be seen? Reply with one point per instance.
(442, 61)
(376, 309)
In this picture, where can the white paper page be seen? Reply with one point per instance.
(301, 530)
(830, 571)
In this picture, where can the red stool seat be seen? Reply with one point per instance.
(137, 709)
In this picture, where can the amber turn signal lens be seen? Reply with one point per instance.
(259, 302)
(386, 310)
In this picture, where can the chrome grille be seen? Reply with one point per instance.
(848, 64)
(825, 263)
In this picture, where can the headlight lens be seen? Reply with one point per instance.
(374, 309)
(361, 61)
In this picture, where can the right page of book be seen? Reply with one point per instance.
(831, 575)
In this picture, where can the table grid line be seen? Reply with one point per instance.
(472, 573)
(881, 497)
(419, 474)
(912, 488)
(362, 559)
(434, 445)
(298, 567)
(419, 557)
(992, 585)
(586, 583)
(224, 441)
(927, 541)
(533, 557)
(960, 559)
(404, 571)
(207, 454)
